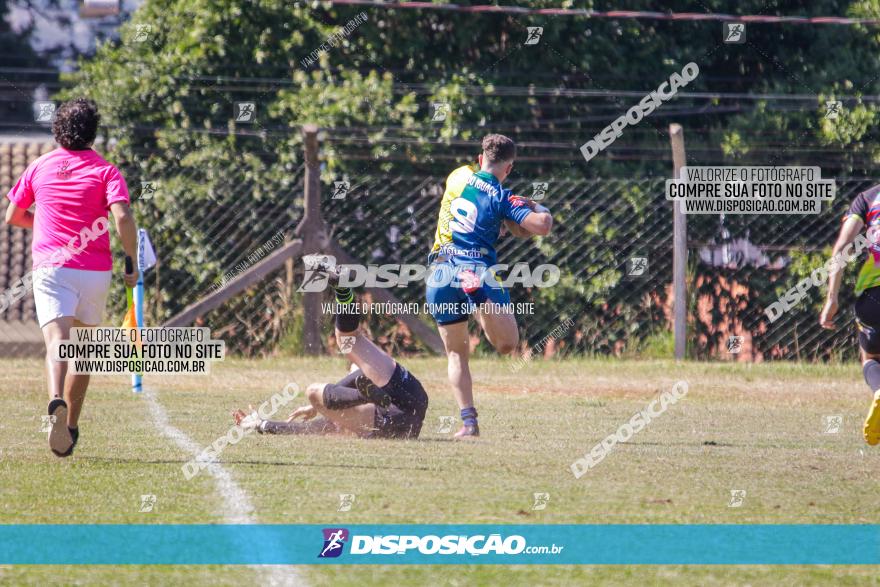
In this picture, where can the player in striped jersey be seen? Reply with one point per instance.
(864, 213)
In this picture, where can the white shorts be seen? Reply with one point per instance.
(61, 291)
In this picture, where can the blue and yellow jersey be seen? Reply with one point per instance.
(471, 212)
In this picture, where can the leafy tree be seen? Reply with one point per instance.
(16, 50)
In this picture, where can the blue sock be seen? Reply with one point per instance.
(469, 416)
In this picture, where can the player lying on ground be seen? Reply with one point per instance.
(863, 212)
(73, 188)
(381, 399)
(472, 211)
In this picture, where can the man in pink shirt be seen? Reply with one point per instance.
(73, 188)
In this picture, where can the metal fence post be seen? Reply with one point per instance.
(679, 248)
(310, 230)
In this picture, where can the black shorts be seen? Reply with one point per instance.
(868, 320)
(404, 416)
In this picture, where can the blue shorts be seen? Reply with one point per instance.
(447, 302)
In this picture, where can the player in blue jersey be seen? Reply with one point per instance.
(473, 209)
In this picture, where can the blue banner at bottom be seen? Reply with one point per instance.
(618, 544)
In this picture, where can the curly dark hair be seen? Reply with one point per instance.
(499, 148)
(76, 124)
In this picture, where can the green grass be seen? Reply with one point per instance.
(753, 427)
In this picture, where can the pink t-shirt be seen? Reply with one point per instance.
(73, 191)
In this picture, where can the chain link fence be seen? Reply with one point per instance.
(222, 229)
(743, 264)
(612, 242)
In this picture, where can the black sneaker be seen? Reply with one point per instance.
(61, 441)
(74, 435)
(370, 392)
(335, 272)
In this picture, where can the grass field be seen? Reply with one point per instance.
(757, 428)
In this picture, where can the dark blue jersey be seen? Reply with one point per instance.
(473, 207)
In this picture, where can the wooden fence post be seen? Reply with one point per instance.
(311, 230)
(679, 249)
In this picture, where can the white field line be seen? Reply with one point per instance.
(238, 508)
